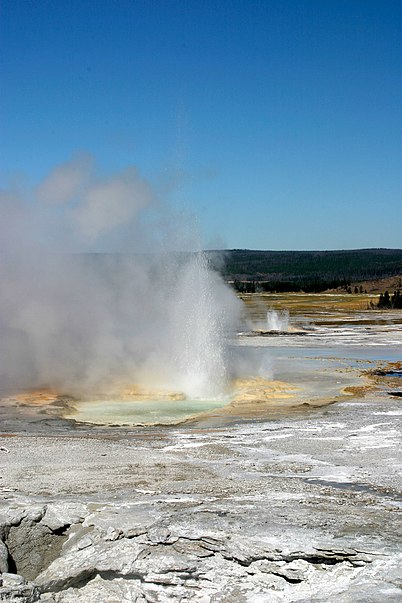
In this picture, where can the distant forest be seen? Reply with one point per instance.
(309, 271)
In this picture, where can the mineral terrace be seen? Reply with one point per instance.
(297, 508)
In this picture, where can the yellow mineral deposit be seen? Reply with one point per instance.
(257, 390)
(141, 393)
(39, 397)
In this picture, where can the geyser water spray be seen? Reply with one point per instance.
(202, 319)
(277, 320)
(91, 321)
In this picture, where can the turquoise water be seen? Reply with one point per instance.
(148, 412)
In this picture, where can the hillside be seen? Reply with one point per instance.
(308, 270)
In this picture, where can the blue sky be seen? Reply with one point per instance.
(277, 123)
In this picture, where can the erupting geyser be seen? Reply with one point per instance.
(98, 322)
(202, 320)
(277, 321)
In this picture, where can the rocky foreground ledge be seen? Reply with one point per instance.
(300, 509)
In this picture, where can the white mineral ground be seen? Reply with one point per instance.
(276, 497)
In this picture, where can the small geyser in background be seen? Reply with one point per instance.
(278, 320)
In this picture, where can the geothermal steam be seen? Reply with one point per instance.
(89, 321)
(277, 321)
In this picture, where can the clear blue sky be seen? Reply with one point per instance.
(277, 122)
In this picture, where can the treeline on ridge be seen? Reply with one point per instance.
(296, 286)
(309, 271)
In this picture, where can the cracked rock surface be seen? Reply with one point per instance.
(299, 509)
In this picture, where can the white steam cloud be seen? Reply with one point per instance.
(66, 181)
(98, 321)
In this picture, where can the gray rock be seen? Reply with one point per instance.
(130, 520)
(8, 517)
(117, 557)
(3, 557)
(79, 537)
(162, 559)
(12, 579)
(245, 551)
(113, 533)
(84, 543)
(159, 534)
(63, 514)
(33, 547)
(35, 513)
(290, 574)
(99, 590)
(16, 588)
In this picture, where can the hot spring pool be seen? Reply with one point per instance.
(144, 412)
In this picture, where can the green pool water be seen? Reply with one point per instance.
(148, 412)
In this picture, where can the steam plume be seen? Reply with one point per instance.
(97, 321)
